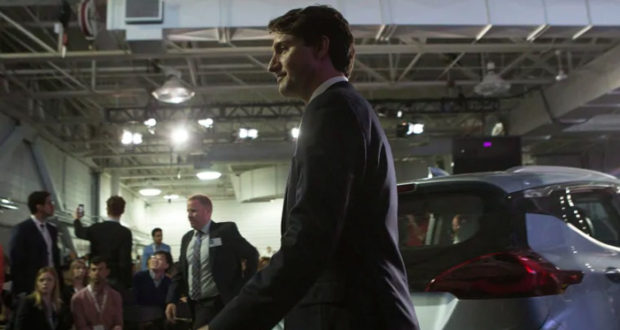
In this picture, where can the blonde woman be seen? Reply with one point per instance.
(79, 279)
(42, 308)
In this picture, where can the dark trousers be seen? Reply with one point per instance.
(204, 310)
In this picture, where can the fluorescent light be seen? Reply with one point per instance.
(127, 137)
(582, 31)
(252, 133)
(136, 138)
(171, 196)
(179, 135)
(415, 128)
(207, 123)
(537, 32)
(208, 175)
(173, 91)
(243, 133)
(295, 132)
(151, 122)
(149, 192)
(484, 31)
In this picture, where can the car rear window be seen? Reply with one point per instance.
(595, 210)
(438, 219)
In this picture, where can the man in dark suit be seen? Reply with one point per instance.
(110, 240)
(339, 266)
(34, 244)
(209, 272)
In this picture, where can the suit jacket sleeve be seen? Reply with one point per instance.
(330, 146)
(179, 280)
(246, 251)
(24, 317)
(125, 259)
(79, 230)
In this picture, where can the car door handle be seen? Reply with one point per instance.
(613, 274)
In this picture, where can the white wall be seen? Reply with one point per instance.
(259, 223)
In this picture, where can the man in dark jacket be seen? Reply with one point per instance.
(209, 272)
(110, 240)
(339, 266)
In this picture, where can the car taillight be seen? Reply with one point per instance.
(504, 275)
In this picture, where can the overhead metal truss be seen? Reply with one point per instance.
(293, 110)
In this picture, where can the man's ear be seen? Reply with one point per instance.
(322, 47)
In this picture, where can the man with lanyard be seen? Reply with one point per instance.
(157, 245)
(98, 306)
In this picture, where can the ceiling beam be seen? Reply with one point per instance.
(219, 52)
(594, 80)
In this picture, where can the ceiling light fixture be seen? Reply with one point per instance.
(484, 31)
(150, 192)
(136, 138)
(179, 135)
(492, 84)
(537, 32)
(206, 123)
(582, 31)
(171, 197)
(174, 90)
(561, 74)
(295, 132)
(7, 204)
(126, 138)
(151, 122)
(208, 175)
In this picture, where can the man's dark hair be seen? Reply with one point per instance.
(166, 255)
(36, 198)
(313, 22)
(97, 260)
(116, 206)
(155, 230)
(204, 200)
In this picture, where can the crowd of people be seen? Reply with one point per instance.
(102, 290)
(339, 216)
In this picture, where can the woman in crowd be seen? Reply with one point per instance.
(79, 280)
(43, 309)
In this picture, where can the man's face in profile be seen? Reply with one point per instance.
(292, 63)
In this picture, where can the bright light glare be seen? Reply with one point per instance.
(399, 114)
(207, 123)
(179, 135)
(136, 138)
(415, 128)
(208, 175)
(127, 137)
(150, 192)
(151, 122)
(295, 132)
(243, 133)
(252, 133)
(171, 196)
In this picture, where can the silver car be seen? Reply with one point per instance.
(535, 247)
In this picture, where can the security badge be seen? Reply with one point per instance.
(214, 242)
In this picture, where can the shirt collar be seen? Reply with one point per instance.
(36, 221)
(205, 228)
(109, 218)
(325, 85)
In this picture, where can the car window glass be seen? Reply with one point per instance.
(594, 211)
(438, 219)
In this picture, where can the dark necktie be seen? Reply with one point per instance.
(195, 289)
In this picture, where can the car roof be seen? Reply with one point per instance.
(526, 177)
